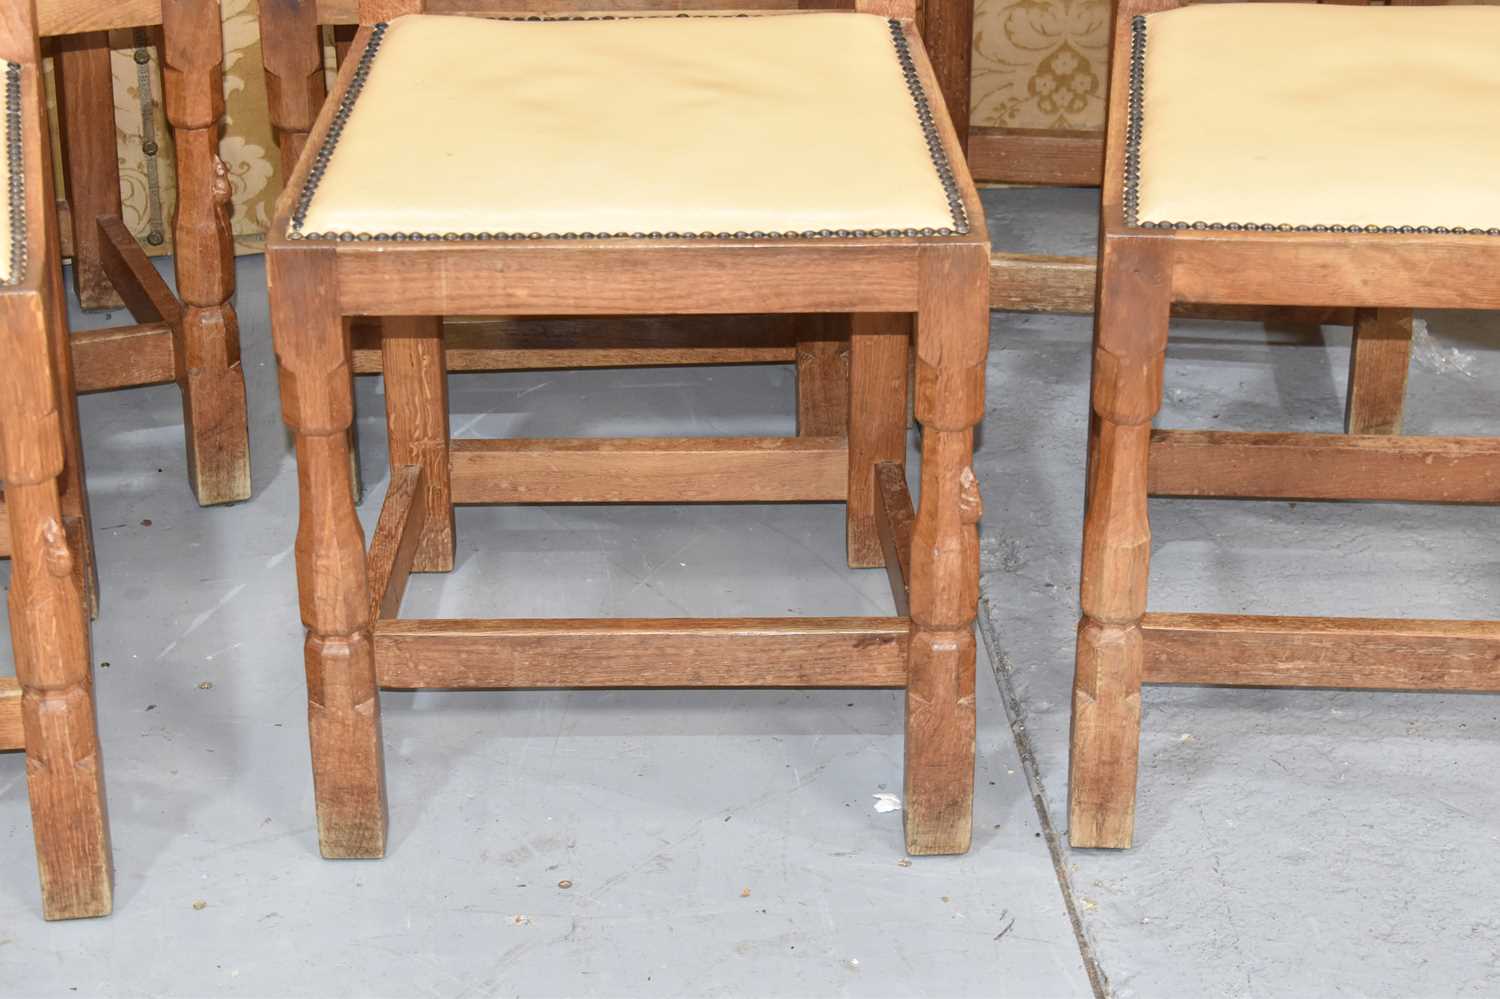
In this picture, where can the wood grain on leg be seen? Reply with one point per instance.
(823, 377)
(12, 733)
(74, 498)
(879, 351)
(1130, 348)
(91, 169)
(952, 340)
(895, 518)
(393, 548)
(948, 32)
(291, 47)
(1379, 359)
(49, 628)
(208, 348)
(416, 416)
(317, 394)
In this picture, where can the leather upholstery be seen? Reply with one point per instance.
(1322, 115)
(713, 124)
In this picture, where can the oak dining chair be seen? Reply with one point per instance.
(822, 179)
(1205, 200)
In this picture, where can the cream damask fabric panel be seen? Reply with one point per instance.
(1040, 63)
(1037, 64)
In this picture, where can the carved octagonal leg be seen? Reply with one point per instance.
(64, 774)
(291, 48)
(49, 629)
(1130, 349)
(208, 345)
(952, 340)
(879, 350)
(343, 702)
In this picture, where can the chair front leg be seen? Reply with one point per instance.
(343, 699)
(49, 629)
(952, 340)
(208, 344)
(1130, 350)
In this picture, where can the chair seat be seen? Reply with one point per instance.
(1267, 116)
(801, 125)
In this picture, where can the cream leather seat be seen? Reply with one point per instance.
(1307, 116)
(804, 124)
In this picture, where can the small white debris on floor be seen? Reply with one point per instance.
(887, 802)
(1434, 356)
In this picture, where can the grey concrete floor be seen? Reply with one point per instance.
(1289, 843)
(717, 843)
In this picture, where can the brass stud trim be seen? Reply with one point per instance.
(15, 155)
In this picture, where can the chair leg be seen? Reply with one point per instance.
(1129, 353)
(1379, 358)
(208, 348)
(823, 377)
(343, 699)
(64, 775)
(91, 171)
(74, 496)
(291, 47)
(416, 414)
(879, 346)
(948, 33)
(952, 339)
(49, 630)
